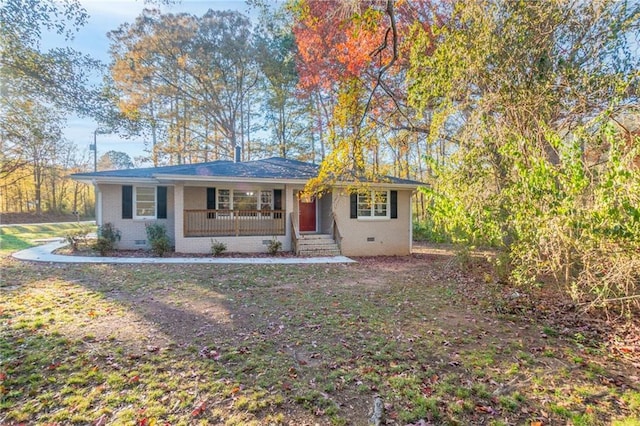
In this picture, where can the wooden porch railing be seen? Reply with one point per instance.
(220, 223)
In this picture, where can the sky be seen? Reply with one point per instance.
(104, 16)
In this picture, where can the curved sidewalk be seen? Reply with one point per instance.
(44, 253)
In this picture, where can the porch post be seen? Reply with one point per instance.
(288, 208)
(178, 208)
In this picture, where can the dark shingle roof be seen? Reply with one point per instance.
(270, 168)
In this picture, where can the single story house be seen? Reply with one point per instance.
(245, 205)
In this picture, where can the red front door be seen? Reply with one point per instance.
(307, 212)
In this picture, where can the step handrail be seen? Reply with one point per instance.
(335, 232)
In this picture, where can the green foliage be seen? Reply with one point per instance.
(531, 167)
(217, 247)
(274, 246)
(577, 224)
(158, 239)
(108, 236)
(76, 237)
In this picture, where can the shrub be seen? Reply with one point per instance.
(158, 239)
(108, 235)
(217, 247)
(274, 246)
(76, 237)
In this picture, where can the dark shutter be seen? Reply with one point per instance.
(127, 202)
(354, 205)
(211, 198)
(277, 202)
(211, 202)
(277, 199)
(161, 202)
(394, 204)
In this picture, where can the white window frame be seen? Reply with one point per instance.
(135, 202)
(372, 205)
(257, 193)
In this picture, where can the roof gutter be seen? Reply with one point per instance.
(230, 179)
(93, 180)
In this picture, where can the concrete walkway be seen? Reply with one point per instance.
(44, 253)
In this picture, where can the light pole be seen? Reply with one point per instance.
(98, 196)
(94, 147)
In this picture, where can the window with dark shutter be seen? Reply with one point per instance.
(354, 206)
(162, 202)
(277, 202)
(211, 202)
(127, 202)
(394, 204)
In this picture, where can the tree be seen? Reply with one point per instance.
(522, 92)
(32, 135)
(352, 62)
(285, 113)
(115, 160)
(37, 89)
(59, 76)
(190, 78)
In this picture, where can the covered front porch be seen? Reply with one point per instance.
(246, 217)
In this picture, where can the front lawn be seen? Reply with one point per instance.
(305, 344)
(20, 237)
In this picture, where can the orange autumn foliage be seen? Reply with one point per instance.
(337, 44)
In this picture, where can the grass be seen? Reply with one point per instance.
(20, 237)
(283, 344)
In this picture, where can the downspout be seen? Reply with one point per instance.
(411, 221)
(98, 203)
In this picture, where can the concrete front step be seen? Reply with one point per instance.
(317, 245)
(315, 237)
(319, 253)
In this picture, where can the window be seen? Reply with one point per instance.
(244, 200)
(145, 202)
(251, 200)
(266, 200)
(266, 203)
(224, 199)
(373, 205)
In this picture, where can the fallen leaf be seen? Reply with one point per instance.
(484, 409)
(293, 373)
(199, 409)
